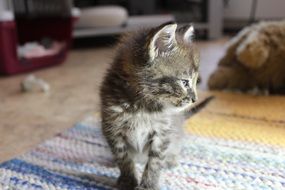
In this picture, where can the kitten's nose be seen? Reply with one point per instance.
(193, 95)
(194, 99)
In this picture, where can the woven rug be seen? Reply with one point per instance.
(215, 156)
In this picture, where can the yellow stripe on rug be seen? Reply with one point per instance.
(259, 119)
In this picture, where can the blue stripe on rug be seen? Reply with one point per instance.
(49, 177)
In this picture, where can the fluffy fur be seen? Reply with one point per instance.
(152, 79)
(255, 58)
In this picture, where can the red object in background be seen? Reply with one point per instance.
(14, 33)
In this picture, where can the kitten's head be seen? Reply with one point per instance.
(171, 70)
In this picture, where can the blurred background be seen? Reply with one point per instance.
(79, 37)
(37, 33)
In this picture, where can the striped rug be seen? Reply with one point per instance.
(79, 158)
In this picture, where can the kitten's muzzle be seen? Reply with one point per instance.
(188, 100)
(192, 96)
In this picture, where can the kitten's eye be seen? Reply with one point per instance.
(185, 83)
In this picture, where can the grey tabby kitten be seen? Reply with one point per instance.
(151, 81)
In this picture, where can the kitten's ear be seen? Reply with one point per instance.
(163, 41)
(188, 34)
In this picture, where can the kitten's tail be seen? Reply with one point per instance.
(198, 107)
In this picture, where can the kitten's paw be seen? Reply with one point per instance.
(127, 183)
(146, 188)
(171, 162)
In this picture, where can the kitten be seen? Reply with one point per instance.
(151, 81)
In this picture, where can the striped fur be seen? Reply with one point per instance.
(151, 81)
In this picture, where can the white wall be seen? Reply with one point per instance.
(237, 9)
(2, 5)
(266, 9)
(270, 9)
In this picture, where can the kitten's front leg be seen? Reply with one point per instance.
(125, 162)
(127, 179)
(157, 154)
